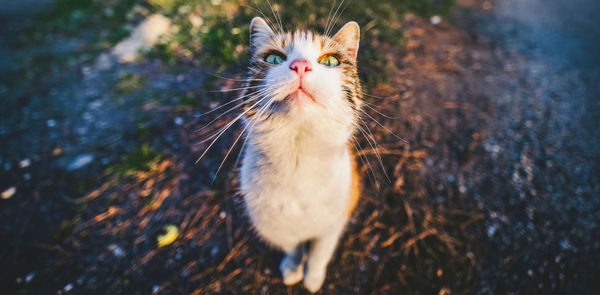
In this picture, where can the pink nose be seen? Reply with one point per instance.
(301, 66)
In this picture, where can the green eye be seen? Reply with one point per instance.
(329, 60)
(274, 59)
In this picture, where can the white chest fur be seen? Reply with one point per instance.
(296, 184)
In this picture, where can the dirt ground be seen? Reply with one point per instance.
(489, 180)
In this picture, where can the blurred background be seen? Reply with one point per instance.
(480, 155)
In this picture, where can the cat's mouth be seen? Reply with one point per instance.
(300, 94)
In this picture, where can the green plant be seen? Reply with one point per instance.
(141, 159)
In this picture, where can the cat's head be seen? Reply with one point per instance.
(303, 74)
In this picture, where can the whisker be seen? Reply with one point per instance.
(235, 89)
(228, 152)
(236, 80)
(221, 106)
(365, 161)
(248, 136)
(228, 126)
(369, 136)
(342, 12)
(381, 97)
(227, 103)
(327, 32)
(378, 112)
(329, 16)
(386, 129)
(238, 138)
(276, 18)
(265, 17)
(252, 97)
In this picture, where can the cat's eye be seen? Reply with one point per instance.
(329, 60)
(274, 59)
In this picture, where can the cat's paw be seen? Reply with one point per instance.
(313, 282)
(291, 271)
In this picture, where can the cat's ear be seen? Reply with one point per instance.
(349, 36)
(259, 32)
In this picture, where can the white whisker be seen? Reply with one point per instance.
(252, 97)
(369, 136)
(235, 89)
(387, 129)
(228, 126)
(365, 161)
(239, 136)
(328, 31)
(328, 17)
(276, 18)
(378, 112)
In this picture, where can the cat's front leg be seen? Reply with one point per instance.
(292, 265)
(321, 250)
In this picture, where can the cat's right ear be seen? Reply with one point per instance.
(259, 33)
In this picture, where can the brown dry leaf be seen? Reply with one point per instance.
(112, 211)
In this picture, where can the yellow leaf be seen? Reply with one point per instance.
(170, 235)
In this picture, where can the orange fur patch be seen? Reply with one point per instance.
(356, 184)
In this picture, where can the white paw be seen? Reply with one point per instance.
(292, 273)
(313, 282)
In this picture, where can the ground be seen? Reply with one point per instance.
(489, 180)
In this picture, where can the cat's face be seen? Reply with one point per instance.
(303, 74)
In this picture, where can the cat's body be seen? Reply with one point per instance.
(298, 174)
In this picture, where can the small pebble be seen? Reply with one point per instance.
(435, 20)
(491, 230)
(214, 251)
(178, 121)
(68, 287)
(116, 250)
(29, 277)
(451, 178)
(80, 161)
(8, 193)
(57, 152)
(25, 163)
(87, 116)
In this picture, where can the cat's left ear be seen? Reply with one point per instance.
(349, 36)
(259, 33)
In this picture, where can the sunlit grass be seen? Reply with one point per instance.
(140, 160)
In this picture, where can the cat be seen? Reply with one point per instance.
(299, 177)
